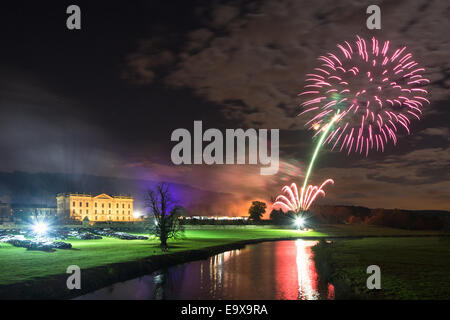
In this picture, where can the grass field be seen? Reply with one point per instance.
(411, 268)
(18, 264)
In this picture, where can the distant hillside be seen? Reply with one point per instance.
(396, 218)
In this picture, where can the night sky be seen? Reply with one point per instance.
(104, 100)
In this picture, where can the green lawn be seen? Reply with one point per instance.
(19, 264)
(411, 268)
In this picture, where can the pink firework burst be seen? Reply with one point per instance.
(291, 202)
(378, 90)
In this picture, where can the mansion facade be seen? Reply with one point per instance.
(96, 208)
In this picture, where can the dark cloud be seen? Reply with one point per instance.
(441, 131)
(353, 195)
(263, 56)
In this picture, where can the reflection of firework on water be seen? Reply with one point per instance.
(378, 90)
(292, 201)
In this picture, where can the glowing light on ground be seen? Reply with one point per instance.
(40, 228)
(299, 222)
(138, 214)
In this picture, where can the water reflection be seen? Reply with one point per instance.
(271, 270)
(310, 287)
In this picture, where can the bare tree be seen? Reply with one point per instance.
(161, 204)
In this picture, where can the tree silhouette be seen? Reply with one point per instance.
(257, 209)
(161, 204)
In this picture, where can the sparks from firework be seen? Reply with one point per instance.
(292, 202)
(378, 89)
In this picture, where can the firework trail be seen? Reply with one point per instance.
(292, 201)
(378, 90)
(325, 130)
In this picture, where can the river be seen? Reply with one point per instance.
(277, 270)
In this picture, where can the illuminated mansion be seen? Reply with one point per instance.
(96, 208)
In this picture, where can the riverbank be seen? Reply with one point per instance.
(54, 287)
(41, 275)
(411, 267)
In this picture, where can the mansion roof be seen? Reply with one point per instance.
(100, 196)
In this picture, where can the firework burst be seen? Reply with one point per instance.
(292, 202)
(378, 90)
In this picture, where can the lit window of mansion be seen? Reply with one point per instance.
(96, 208)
